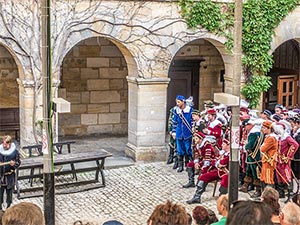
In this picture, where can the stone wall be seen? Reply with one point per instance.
(9, 90)
(94, 81)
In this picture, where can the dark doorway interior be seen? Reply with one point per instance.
(184, 75)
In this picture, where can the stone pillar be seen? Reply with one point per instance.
(147, 118)
(27, 104)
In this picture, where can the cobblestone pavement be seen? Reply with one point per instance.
(130, 195)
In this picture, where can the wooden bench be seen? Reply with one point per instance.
(36, 150)
(10, 120)
(98, 156)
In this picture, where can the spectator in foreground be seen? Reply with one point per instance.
(168, 214)
(24, 213)
(222, 206)
(290, 214)
(201, 216)
(212, 216)
(271, 198)
(249, 213)
(112, 222)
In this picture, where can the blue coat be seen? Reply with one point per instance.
(183, 130)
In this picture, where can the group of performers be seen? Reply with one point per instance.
(269, 147)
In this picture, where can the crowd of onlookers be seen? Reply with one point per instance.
(266, 211)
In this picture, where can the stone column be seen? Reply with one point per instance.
(147, 118)
(27, 104)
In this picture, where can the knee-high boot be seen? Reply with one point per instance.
(201, 187)
(223, 190)
(171, 154)
(191, 175)
(180, 163)
(280, 189)
(290, 190)
(175, 166)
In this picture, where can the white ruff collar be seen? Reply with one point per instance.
(9, 151)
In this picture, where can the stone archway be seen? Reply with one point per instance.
(11, 92)
(93, 79)
(201, 63)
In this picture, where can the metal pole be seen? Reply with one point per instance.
(237, 72)
(48, 170)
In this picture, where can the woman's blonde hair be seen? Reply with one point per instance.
(23, 213)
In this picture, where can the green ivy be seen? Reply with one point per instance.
(260, 18)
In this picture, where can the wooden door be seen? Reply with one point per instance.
(287, 87)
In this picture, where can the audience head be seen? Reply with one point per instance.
(271, 197)
(222, 205)
(112, 222)
(168, 214)
(212, 216)
(200, 215)
(24, 213)
(290, 214)
(249, 213)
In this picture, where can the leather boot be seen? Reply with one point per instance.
(191, 175)
(290, 190)
(171, 155)
(280, 189)
(180, 163)
(244, 187)
(175, 166)
(223, 190)
(257, 192)
(201, 187)
(263, 186)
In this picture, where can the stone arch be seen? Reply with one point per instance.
(93, 79)
(129, 58)
(11, 89)
(288, 29)
(209, 51)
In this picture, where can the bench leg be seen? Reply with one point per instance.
(100, 170)
(73, 171)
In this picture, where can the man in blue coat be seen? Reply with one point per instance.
(182, 130)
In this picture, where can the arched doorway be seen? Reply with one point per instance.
(9, 93)
(196, 70)
(94, 81)
(285, 76)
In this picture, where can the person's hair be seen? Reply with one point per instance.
(249, 213)
(291, 213)
(212, 216)
(224, 201)
(200, 215)
(270, 192)
(7, 139)
(24, 213)
(273, 204)
(168, 214)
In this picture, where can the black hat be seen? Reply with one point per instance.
(196, 111)
(276, 117)
(267, 113)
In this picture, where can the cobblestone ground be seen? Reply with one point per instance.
(130, 195)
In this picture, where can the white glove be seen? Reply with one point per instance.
(174, 135)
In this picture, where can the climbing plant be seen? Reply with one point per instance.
(260, 18)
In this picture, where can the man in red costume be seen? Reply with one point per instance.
(203, 156)
(214, 127)
(218, 170)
